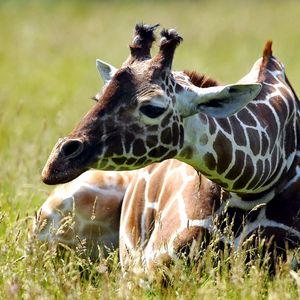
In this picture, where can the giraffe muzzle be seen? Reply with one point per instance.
(67, 161)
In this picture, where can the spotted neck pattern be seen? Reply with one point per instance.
(254, 154)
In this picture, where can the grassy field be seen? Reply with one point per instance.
(47, 75)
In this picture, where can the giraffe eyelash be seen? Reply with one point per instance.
(152, 111)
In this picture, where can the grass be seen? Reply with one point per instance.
(47, 74)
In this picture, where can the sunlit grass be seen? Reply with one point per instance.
(47, 75)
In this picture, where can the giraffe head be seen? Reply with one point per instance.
(139, 115)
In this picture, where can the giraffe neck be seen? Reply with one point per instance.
(251, 151)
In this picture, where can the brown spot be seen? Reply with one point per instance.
(178, 88)
(212, 126)
(203, 139)
(187, 152)
(136, 128)
(129, 137)
(170, 154)
(138, 147)
(270, 123)
(151, 141)
(175, 133)
(246, 118)
(152, 128)
(264, 144)
(224, 124)
(166, 119)
(281, 106)
(271, 179)
(166, 136)
(258, 175)
(181, 135)
(141, 161)
(114, 144)
(209, 161)
(167, 91)
(109, 152)
(238, 131)
(156, 183)
(130, 161)
(254, 140)
(223, 149)
(133, 224)
(274, 158)
(158, 152)
(119, 160)
(242, 182)
(266, 172)
(238, 166)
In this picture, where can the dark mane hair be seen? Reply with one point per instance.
(201, 80)
(267, 54)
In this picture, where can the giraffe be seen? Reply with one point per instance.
(86, 212)
(242, 137)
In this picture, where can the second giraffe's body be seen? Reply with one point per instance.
(157, 221)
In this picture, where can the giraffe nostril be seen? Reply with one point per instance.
(72, 148)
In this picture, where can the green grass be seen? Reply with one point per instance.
(47, 74)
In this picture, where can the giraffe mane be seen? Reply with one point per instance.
(266, 59)
(268, 49)
(201, 80)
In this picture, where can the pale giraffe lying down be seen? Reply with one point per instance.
(243, 136)
(157, 220)
(151, 214)
(84, 212)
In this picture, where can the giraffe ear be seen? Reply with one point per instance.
(218, 101)
(106, 70)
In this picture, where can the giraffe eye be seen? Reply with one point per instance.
(152, 111)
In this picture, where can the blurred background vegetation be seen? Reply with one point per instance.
(47, 67)
(47, 64)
